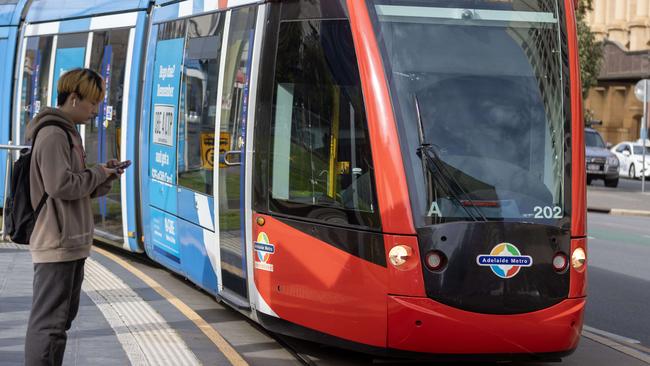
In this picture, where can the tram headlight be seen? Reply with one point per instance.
(399, 254)
(578, 258)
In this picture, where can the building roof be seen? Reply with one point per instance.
(619, 64)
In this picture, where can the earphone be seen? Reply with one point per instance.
(74, 103)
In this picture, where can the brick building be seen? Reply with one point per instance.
(624, 26)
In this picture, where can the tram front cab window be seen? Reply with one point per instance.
(36, 72)
(321, 168)
(485, 83)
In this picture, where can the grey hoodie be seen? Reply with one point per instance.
(64, 228)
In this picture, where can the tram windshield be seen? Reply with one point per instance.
(477, 87)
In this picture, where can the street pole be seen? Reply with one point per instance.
(644, 134)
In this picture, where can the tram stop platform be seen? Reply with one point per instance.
(134, 312)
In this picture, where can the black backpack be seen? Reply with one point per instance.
(20, 217)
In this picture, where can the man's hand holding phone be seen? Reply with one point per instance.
(122, 165)
(119, 166)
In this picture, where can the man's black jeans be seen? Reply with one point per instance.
(57, 287)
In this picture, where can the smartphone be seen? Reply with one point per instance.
(123, 164)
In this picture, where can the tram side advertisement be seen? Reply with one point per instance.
(162, 155)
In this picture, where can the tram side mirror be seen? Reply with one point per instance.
(608, 145)
(626, 152)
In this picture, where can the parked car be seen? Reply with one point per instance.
(601, 163)
(630, 155)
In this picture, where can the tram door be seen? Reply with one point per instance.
(181, 153)
(103, 137)
(232, 137)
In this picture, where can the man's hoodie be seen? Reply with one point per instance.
(64, 228)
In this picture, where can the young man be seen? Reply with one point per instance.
(63, 233)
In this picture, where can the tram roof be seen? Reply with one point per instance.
(10, 11)
(50, 10)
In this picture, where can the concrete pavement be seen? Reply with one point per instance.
(125, 320)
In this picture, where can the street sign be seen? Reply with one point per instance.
(639, 90)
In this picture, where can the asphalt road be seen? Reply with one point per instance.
(619, 276)
(624, 185)
(627, 196)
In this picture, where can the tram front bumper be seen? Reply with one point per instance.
(422, 325)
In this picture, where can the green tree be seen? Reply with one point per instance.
(591, 51)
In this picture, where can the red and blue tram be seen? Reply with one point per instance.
(402, 177)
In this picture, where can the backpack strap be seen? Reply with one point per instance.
(45, 124)
(52, 123)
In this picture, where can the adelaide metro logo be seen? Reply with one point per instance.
(263, 249)
(505, 260)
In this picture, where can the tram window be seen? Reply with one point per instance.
(72, 40)
(319, 9)
(103, 136)
(171, 30)
(199, 102)
(498, 127)
(233, 116)
(108, 58)
(321, 165)
(36, 73)
(70, 53)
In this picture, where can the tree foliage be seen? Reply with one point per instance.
(591, 51)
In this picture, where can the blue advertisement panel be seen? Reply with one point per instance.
(66, 60)
(164, 235)
(166, 87)
(162, 140)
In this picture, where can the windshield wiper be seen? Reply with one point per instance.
(432, 161)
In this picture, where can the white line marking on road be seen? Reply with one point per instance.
(590, 237)
(634, 350)
(624, 212)
(609, 335)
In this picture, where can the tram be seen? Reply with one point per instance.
(11, 13)
(399, 177)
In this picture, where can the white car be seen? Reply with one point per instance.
(630, 155)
